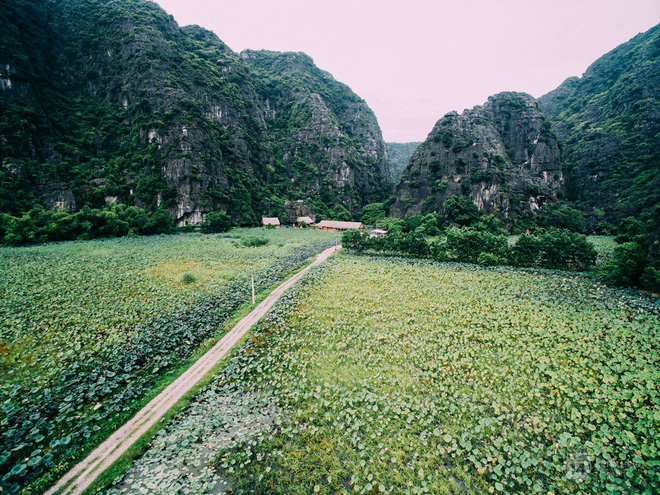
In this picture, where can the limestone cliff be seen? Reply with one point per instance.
(398, 155)
(326, 139)
(502, 155)
(609, 123)
(111, 101)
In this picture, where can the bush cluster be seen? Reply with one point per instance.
(558, 249)
(553, 248)
(403, 243)
(216, 221)
(252, 241)
(41, 225)
(633, 262)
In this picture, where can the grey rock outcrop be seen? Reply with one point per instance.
(502, 155)
(172, 117)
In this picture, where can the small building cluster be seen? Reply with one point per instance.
(331, 225)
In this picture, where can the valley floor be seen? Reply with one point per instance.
(91, 331)
(399, 376)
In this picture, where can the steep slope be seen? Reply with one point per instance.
(609, 122)
(398, 155)
(503, 156)
(327, 144)
(111, 101)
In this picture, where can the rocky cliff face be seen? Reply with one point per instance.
(502, 155)
(609, 122)
(398, 155)
(115, 102)
(325, 139)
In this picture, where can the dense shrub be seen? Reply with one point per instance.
(392, 225)
(409, 244)
(526, 251)
(438, 251)
(491, 223)
(41, 225)
(252, 241)
(373, 212)
(353, 239)
(651, 278)
(461, 210)
(488, 259)
(564, 217)
(628, 263)
(428, 224)
(632, 230)
(340, 213)
(216, 221)
(635, 261)
(466, 244)
(159, 222)
(556, 248)
(403, 243)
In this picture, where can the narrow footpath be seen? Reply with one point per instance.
(86, 471)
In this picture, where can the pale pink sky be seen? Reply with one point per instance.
(415, 60)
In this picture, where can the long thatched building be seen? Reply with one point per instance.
(338, 226)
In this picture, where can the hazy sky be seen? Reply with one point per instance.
(415, 60)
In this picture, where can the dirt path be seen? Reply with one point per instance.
(86, 471)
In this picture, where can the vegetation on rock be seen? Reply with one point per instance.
(607, 121)
(398, 155)
(114, 102)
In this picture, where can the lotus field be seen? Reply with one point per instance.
(400, 376)
(88, 328)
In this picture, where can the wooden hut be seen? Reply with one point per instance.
(270, 222)
(304, 220)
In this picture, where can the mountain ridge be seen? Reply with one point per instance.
(138, 110)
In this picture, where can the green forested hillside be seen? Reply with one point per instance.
(324, 135)
(609, 122)
(104, 102)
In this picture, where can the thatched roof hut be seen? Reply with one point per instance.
(337, 226)
(270, 221)
(305, 220)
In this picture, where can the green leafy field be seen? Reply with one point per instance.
(86, 327)
(415, 377)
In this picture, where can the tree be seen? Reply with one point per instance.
(216, 221)
(564, 217)
(340, 213)
(491, 223)
(628, 263)
(392, 225)
(460, 210)
(558, 249)
(632, 230)
(373, 212)
(160, 222)
(353, 239)
(466, 244)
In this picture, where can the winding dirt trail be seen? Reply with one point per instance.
(86, 471)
